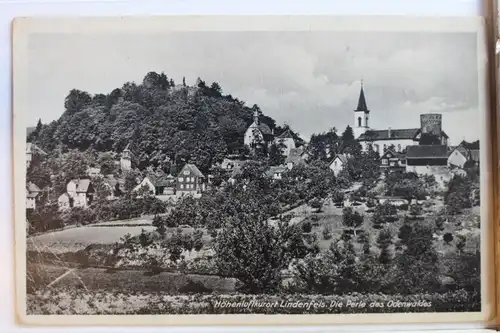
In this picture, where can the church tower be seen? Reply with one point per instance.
(361, 115)
(126, 159)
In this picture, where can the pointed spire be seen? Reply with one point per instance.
(362, 101)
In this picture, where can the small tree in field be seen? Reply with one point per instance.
(384, 241)
(352, 219)
(252, 250)
(460, 244)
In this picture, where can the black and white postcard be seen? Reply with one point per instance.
(304, 170)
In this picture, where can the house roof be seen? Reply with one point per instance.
(295, 155)
(464, 151)
(341, 157)
(265, 129)
(227, 162)
(394, 153)
(82, 185)
(362, 101)
(427, 151)
(34, 149)
(63, 195)
(275, 169)
(31, 187)
(396, 134)
(193, 169)
(158, 180)
(474, 155)
(286, 135)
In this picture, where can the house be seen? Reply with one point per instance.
(229, 164)
(458, 156)
(32, 153)
(64, 201)
(276, 172)
(93, 172)
(429, 160)
(297, 156)
(190, 180)
(81, 191)
(339, 163)
(395, 139)
(155, 184)
(286, 142)
(475, 156)
(395, 201)
(32, 195)
(258, 134)
(391, 160)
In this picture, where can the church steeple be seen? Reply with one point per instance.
(361, 114)
(362, 101)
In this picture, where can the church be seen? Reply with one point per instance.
(396, 139)
(258, 134)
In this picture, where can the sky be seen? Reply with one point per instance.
(308, 80)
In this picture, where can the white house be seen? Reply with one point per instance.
(338, 164)
(458, 157)
(81, 192)
(286, 141)
(276, 172)
(64, 201)
(297, 156)
(32, 192)
(93, 172)
(429, 160)
(33, 151)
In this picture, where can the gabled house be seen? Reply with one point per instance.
(64, 201)
(32, 195)
(338, 163)
(155, 184)
(276, 172)
(458, 156)
(93, 172)
(81, 191)
(190, 180)
(391, 160)
(33, 152)
(429, 160)
(285, 141)
(297, 156)
(229, 164)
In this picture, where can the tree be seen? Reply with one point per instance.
(384, 241)
(352, 219)
(448, 238)
(159, 224)
(198, 239)
(250, 249)
(276, 156)
(405, 232)
(364, 238)
(417, 265)
(316, 204)
(76, 101)
(460, 243)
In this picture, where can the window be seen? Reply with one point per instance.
(384, 161)
(359, 121)
(376, 147)
(192, 179)
(186, 172)
(182, 186)
(366, 121)
(181, 179)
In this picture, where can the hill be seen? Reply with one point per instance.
(158, 119)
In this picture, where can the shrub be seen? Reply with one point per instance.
(316, 204)
(197, 239)
(306, 227)
(448, 238)
(327, 234)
